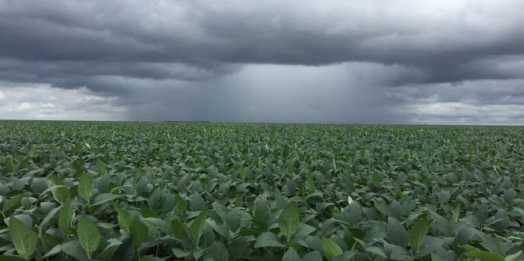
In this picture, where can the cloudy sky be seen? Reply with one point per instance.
(330, 61)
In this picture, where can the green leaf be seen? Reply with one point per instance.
(350, 200)
(124, 218)
(197, 227)
(218, 251)
(180, 253)
(13, 203)
(397, 233)
(348, 255)
(179, 228)
(313, 256)
(485, 256)
(65, 216)
(267, 239)
(125, 251)
(104, 198)
(481, 254)
(60, 193)
(291, 255)
(180, 205)
(330, 248)
(289, 220)
(74, 249)
(396, 252)
(302, 231)
(418, 232)
(110, 249)
(435, 257)
(88, 235)
(54, 251)
(513, 257)
(139, 232)
(377, 251)
(261, 211)
(85, 187)
(430, 245)
(197, 203)
(23, 237)
(46, 220)
(11, 258)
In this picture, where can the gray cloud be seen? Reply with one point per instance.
(299, 61)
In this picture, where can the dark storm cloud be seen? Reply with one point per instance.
(191, 58)
(460, 45)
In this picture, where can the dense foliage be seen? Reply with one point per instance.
(177, 191)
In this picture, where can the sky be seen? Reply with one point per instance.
(294, 61)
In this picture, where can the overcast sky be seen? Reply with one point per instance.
(329, 61)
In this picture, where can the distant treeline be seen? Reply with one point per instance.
(189, 121)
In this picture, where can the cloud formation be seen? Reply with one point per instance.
(284, 61)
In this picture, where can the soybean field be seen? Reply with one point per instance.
(211, 191)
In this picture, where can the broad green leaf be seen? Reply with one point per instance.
(179, 228)
(481, 254)
(302, 231)
(104, 198)
(485, 256)
(218, 251)
(197, 253)
(11, 258)
(180, 205)
(220, 229)
(147, 212)
(430, 245)
(397, 233)
(180, 253)
(313, 256)
(435, 257)
(350, 200)
(110, 249)
(88, 235)
(377, 251)
(513, 257)
(396, 252)
(267, 239)
(23, 237)
(126, 251)
(418, 232)
(233, 221)
(65, 216)
(139, 232)
(197, 203)
(74, 249)
(261, 211)
(348, 255)
(46, 220)
(60, 193)
(289, 220)
(24, 218)
(291, 255)
(197, 227)
(13, 203)
(124, 218)
(161, 224)
(85, 187)
(330, 248)
(54, 251)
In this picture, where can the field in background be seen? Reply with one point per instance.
(206, 191)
